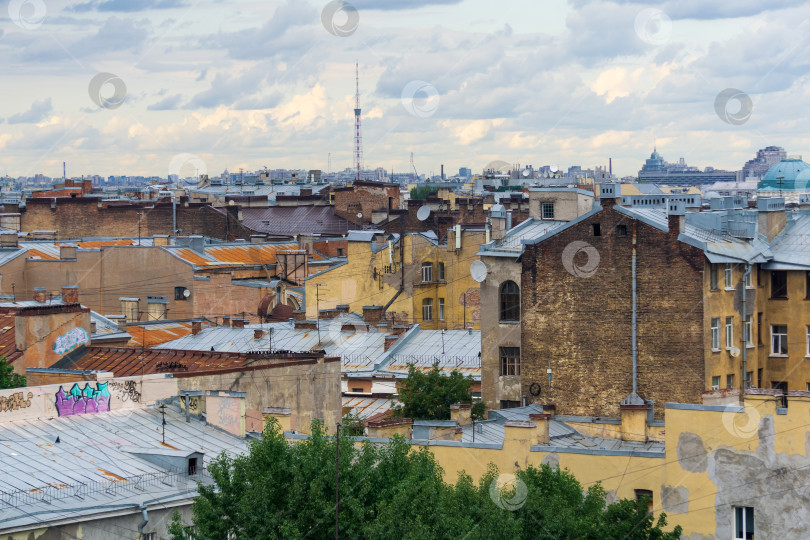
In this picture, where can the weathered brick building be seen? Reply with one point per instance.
(366, 202)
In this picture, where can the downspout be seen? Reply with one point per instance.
(145, 516)
(746, 338)
(401, 266)
(635, 313)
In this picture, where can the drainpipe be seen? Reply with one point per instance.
(145, 518)
(635, 314)
(745, 338)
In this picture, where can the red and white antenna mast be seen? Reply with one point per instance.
(358, 140)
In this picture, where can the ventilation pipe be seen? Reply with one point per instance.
(145, 516)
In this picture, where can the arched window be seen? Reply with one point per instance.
(510, 301)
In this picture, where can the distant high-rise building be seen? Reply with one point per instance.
(466, 172)
(656, 170)
(765, 159)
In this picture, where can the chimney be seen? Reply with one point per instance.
(160, 240)
(372, 314)
(226, 320)
(609, 195)
(342, 308)
(258, 333)
(238, 323)
(461, 413)
(389, 341)
(676, 217)
(70, 294)
(542, 421)
(40, 295)
(771, 216)
(388, 427)
(550, 409)
(8, 239)
(196, 327)
(634, 422)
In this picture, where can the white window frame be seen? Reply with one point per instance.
(748, 333)
(746, 534)
(782, 340)
(730, 380)
(728, 277)
(716, 385)
(807, 342)
(441, 271)
(729, 333)
(427, 272)
(749, 281)
(543, 207)
(441, 309)
(715, 326)
(427, 309)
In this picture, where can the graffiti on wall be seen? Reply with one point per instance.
(15, 401)
(87, 400)
(126, 391)
(69, 341)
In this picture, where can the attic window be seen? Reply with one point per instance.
(597, 229)
(192, 466)
(621, 230)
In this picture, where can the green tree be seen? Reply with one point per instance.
(427, 395)
(9, 379)
(282, 489)
(353, 425)
(420, 193)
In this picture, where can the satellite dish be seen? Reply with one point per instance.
(478, 271)
(423, 213)
(734, 352)
(526, 172)
(359, 214)
(554, 168)
(186, 293)
(231, 203)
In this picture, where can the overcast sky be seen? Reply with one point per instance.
(271, 83)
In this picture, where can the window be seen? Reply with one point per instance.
(759, 378)
(179, 293)
(427, 309)
(510, 360)
(716, 382)
(597, 230)
(716, 334)
(621, 230)
(779, 339)
(749, 281)
(340, 252)
(748, 333)
(778, 284)
(807, 342)
(713, 276)
(192, 466)
(357, 390)
(749, 377)
(807, 285)
(743, 523)
(730, 380)
(548, 210)
(759, 328)
(441, 309)
(729, 333)
(808, 387)
(441, 271)
(427, 272)
(506, 404)
(148, 536)
(729, 284)
(645, 494)
(510, 301)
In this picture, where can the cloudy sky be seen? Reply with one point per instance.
(135, 87)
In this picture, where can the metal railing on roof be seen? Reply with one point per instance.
(445, 361)
(172, 478)
(356, 360)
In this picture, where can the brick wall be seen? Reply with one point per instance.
(365, 198)
(582, 325)
(83, 217)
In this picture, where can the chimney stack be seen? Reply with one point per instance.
(258, 333)
(238, 323)
(226, 320)
(196, 327)
(40, 295)
(70, 294)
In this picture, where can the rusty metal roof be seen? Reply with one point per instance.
(150, 334)
(289, 221)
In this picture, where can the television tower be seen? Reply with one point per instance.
(358, 140)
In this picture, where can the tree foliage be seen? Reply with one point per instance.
(420, 193)
(282, 489)
(9, 379)
(427, 395)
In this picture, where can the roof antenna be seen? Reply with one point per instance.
(163, 414)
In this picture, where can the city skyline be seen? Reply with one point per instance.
(115, 89)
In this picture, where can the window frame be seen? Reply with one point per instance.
(748, 332)
(728, 277)
(775, 293)
(509, 361)
(509, 302)
(441, 271)
(441, 309)
(427, 308)
(729, 333)
(178, 293)
(783, 340)
(749, 281)
(545, 205)
(715, 334)
(730, 380)
(743, 512)
(713, 277)
(427, 272)
(715, 382)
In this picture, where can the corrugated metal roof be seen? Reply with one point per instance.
(88, 471)
(151, 334)
(365, 407)
(452, 349)
(250, 254)
(294, 220)
(792, 246)
(50, 250)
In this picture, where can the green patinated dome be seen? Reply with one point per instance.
(787, 175)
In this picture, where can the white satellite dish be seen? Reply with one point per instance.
(526, 172)
(734, 352)
(554, 168)
(423, 213)
(186, 293)
(359, 214)
(478, 271)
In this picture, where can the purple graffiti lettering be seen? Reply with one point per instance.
(88, 400)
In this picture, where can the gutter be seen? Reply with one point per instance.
(145, 516)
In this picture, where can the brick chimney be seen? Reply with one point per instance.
(226, 320)
(542, 421)
(40, 294)
(676, 218)
(258, 333)
(372, 314)
(389, 341)
(238, 323)
(70, 294)
(196, 327)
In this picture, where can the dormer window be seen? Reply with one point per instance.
(192, 466)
